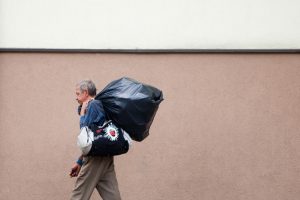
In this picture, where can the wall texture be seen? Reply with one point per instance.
(227, 130)
(155, 24)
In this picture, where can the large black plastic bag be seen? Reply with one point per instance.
(131, 105)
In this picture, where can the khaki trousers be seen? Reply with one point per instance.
(97, 172)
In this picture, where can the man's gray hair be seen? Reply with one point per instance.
(87, 85)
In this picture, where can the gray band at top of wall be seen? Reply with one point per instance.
(149, 50)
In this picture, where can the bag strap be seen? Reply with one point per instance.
(94, 127)
(105, 124)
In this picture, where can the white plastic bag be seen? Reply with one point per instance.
(85, 140)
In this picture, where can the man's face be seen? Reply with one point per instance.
(81, 96)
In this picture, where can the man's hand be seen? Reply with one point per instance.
(75, 170)
(84, 106)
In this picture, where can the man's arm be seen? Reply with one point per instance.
(91, 115)
(76, 168)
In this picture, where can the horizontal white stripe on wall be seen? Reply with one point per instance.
(150, 24)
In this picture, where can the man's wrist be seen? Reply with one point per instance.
(79, 162)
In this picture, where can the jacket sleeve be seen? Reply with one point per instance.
(93, 115)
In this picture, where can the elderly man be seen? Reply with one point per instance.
(93, 171)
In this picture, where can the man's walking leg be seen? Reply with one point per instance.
(108, 185)
(87, 180)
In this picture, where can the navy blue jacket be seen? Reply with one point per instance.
(94, 115)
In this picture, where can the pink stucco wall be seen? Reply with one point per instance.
(229, 128)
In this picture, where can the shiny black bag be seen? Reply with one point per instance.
(105, 140)
(131, 105)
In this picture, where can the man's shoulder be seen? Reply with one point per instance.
(95, 104)
(94, 101)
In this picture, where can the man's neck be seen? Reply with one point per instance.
(89, 98)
